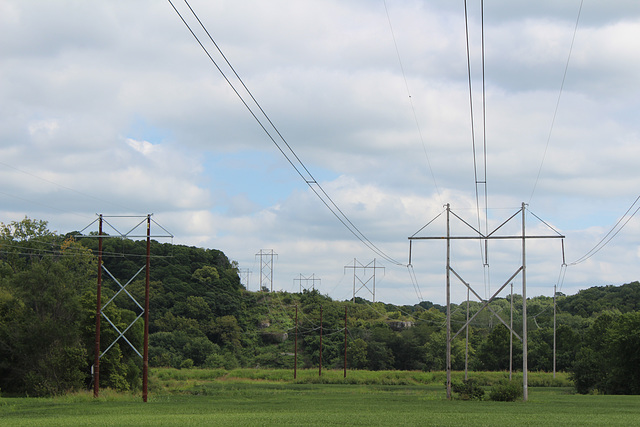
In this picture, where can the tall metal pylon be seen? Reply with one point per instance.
(364, 279)
(521, 270)
(266, 268)
(245, 274)
(311, 279)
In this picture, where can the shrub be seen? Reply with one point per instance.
(506, 391)
(468, 389)
(186, 364)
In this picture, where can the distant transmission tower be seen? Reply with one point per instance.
(245, 274)
(363, 281)
(266, 268)
(311, 279)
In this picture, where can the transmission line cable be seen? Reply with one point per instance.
(414, 282)
(485, 263)
(297, 165)
(483, 181)
(415, 116)
(613, 232)
(58, 185)
(555, 112)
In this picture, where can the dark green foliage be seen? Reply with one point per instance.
(506, 391)
(609, 358)
(493, 354)
(201, 316)
(41, 323)
(591, 301)
(467, 390)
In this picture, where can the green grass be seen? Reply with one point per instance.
(213, 397)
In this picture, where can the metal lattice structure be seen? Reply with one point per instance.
(520, 271)
(266, 268)
(307, 280)
(366, 280)
(245, 275)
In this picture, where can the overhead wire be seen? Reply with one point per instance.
(58, 185)
(413, 109)
(613, 232)
(608, 237)
(555, 112)
(477, 180)
(485, 263)
(289, 154)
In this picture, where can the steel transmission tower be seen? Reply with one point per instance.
(311, 279)
(266, 268)
(245, 274)
(365, 281)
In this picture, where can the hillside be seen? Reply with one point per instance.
(201, 316)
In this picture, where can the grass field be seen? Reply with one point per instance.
(195, 399)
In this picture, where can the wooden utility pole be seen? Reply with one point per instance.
(448, 358)
(345, 341)
(320, 364)
(555, 291)
(144, 310)
(295, 349)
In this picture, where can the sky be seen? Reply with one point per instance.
(114, 108)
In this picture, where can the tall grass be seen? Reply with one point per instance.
(180, 380)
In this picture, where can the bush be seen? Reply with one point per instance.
(506, 391)
(186, 364)
(468, 390)
(214, 361)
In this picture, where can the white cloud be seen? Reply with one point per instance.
(144, 147)
(113, 108)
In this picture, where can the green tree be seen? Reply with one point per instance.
(609, 357)
(493, 354)
(40, 315)
(357, 354)
(435, 352)
(227, 332)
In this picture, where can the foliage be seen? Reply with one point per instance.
(467, 389)
(493, 354)
(595, 300)
(506, 391)
(608, 360)
(201, 316)
(41, 351)
(47, 314)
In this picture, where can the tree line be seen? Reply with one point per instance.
(201, 316)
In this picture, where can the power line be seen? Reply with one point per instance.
(477, 180)
(613, 232)
(288, 153)
(415, 116)
(56, 184)
(555, 112)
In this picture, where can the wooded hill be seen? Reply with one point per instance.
(200, 315)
